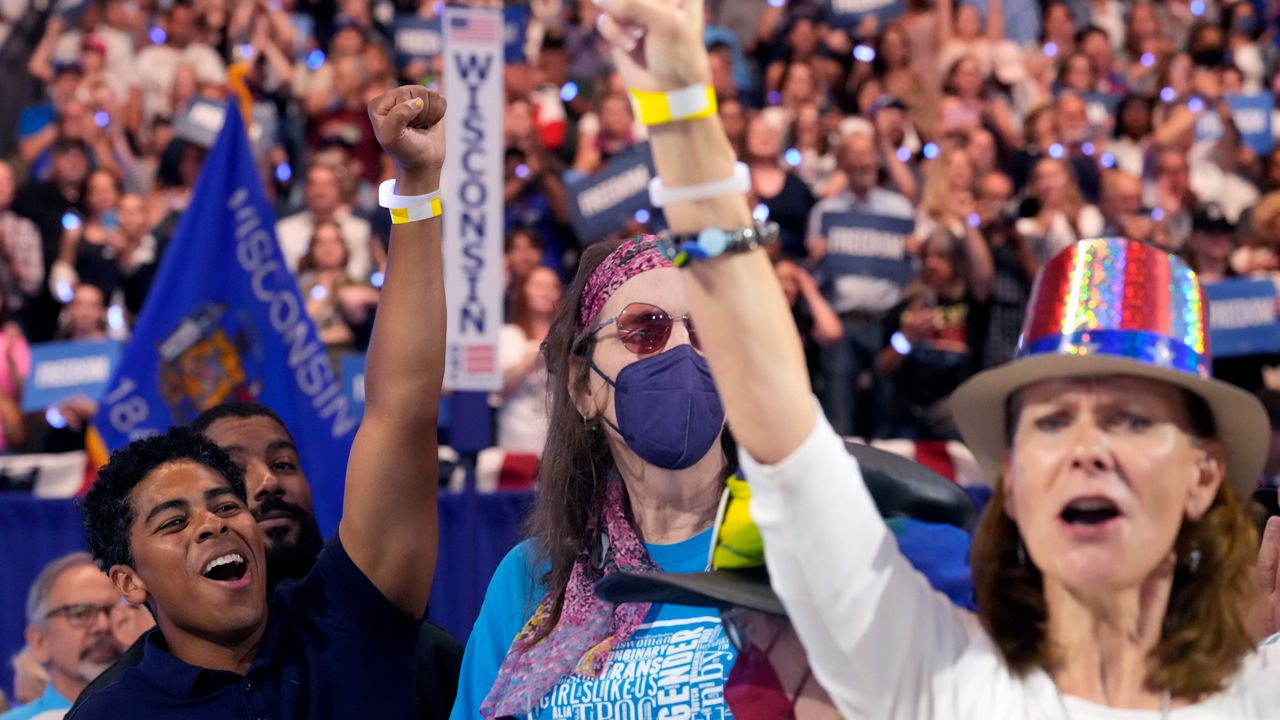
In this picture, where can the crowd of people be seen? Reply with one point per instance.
(1000, 133)
(994, 139)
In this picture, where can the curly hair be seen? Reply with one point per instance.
(107, 508)
(1205, 634)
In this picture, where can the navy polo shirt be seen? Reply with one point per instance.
(334, 647)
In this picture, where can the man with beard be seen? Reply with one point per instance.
(169, 518)
(280, 500)
(69, 612)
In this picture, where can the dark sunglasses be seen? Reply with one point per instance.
(644, 329)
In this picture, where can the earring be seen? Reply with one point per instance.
(1193, 559)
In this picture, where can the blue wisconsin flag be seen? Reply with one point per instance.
(225, 321)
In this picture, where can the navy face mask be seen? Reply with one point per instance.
(669, 412)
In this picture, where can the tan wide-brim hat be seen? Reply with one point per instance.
(1109, 308)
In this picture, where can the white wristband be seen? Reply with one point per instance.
(662, 196)
(388, 198)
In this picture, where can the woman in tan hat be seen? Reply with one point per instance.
(1113, 563)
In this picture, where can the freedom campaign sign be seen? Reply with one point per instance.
(863, 244)
(61, 370)
(603, 203)
(1242, 317)
(848, 13)
(224, 321)
(415, 38)
(1252, 116)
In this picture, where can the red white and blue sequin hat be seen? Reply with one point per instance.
(1114, 307)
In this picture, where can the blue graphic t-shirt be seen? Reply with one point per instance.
(675, 666)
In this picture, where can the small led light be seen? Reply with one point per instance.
(115, 317)
(760, 213)
(157, 36)
(1197, 7)
(63, 291)
(775, 97)
(101, 119)
(900, 343)
(1088, 149)
(792, 156)
(246, 51)
(568, 91)
(974, 220)
(1051, 49)
(1056, 151)
(931, 150)
(319, 292)
(1108, 160)
(1147, 59)
(903, 153)
(70, 221)
(1157, 214)
(777, 3)
(377, 278)
(864, 53)
(315, 59)
(54, 418)
(522, 171)
(642, 216)
(284, 173)
(1195, 105)
(1168, 94)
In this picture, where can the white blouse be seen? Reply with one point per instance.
(882, 642)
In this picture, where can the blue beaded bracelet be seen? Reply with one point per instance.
(712, 242)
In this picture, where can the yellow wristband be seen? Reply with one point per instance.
(424, 211)
(659, 108)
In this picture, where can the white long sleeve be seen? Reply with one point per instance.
(881, 641)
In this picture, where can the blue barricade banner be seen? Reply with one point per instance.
(224, 321)
(848, 13)
(415, 38)
(1252, 116)
(1242, 317)
(60, 370)
(603, 203)
(515, 19)
(862, 244)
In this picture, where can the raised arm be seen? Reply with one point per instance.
(759, 365)
(806, 491)
(389, 523)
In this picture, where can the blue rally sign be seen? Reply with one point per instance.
(61, 370)
(515, 19)
(1252, 116)
(862, 244)
(603, 203)
(1242, 317)
(416, 38)
(848, 13)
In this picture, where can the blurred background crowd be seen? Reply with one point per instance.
(1002, 130)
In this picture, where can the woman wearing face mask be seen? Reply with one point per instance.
(1243, 28)
(1113, 565)
(630, 479)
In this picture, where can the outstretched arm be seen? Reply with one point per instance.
(389, 523)
(758, 363)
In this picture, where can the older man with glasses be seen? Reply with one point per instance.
(69, 629)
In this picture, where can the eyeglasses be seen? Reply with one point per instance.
(644, 329)
(82, 615)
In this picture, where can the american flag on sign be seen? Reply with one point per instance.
(475, 28)
(479, 359)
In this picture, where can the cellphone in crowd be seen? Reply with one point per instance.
(111, 220)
